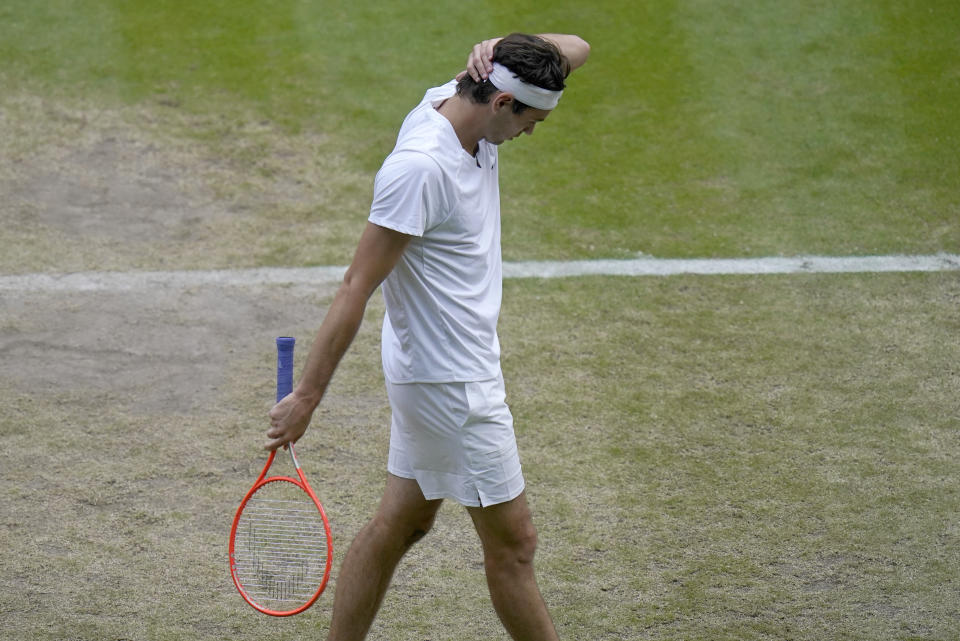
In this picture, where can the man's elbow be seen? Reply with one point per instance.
(357, 287)
(579, 51)
(584, 46)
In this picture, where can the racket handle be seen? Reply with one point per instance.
(284, 366)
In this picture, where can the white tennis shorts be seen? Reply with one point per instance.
(456, 440)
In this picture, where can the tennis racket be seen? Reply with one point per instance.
(280, 544)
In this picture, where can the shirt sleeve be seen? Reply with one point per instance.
(408, 194)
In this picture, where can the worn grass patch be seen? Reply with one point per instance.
(707, 458)
(94, 188)
(743, 457)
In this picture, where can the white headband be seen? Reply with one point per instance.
(531, 95)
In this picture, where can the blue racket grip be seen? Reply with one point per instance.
(284, 366)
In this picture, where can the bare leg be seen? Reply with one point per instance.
(403, 518)
(509, 542)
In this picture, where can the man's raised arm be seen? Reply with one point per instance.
(574, 48)
(480, 61)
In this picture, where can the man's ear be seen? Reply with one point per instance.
(502, 99)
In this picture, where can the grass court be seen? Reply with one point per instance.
(708, 457)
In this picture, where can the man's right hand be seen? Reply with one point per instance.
(289, 420)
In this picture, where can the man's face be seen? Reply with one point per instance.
(506, 125)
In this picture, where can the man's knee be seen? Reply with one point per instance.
(404, 515)
(518, 546)
(527, 542)
(419, 528)
(405, 529)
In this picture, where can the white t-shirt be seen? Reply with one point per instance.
(443, 297)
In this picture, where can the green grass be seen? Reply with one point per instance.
(697, 129)
(725, 128)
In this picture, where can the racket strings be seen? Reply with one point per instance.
(281, 548)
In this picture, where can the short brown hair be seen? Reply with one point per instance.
(533, 59)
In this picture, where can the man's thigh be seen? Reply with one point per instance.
(504, 525)
(403, 505)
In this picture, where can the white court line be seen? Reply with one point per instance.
(140, 280)
(728, 266)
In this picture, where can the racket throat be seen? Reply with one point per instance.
(293, 456)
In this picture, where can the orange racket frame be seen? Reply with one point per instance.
(305, 486)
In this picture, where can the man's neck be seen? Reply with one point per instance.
(467, 120)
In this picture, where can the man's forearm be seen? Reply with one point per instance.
(574, 48)
(377, 252)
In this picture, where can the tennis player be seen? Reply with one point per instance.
(433, 241)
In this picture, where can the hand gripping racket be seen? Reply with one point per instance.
(280, 544)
